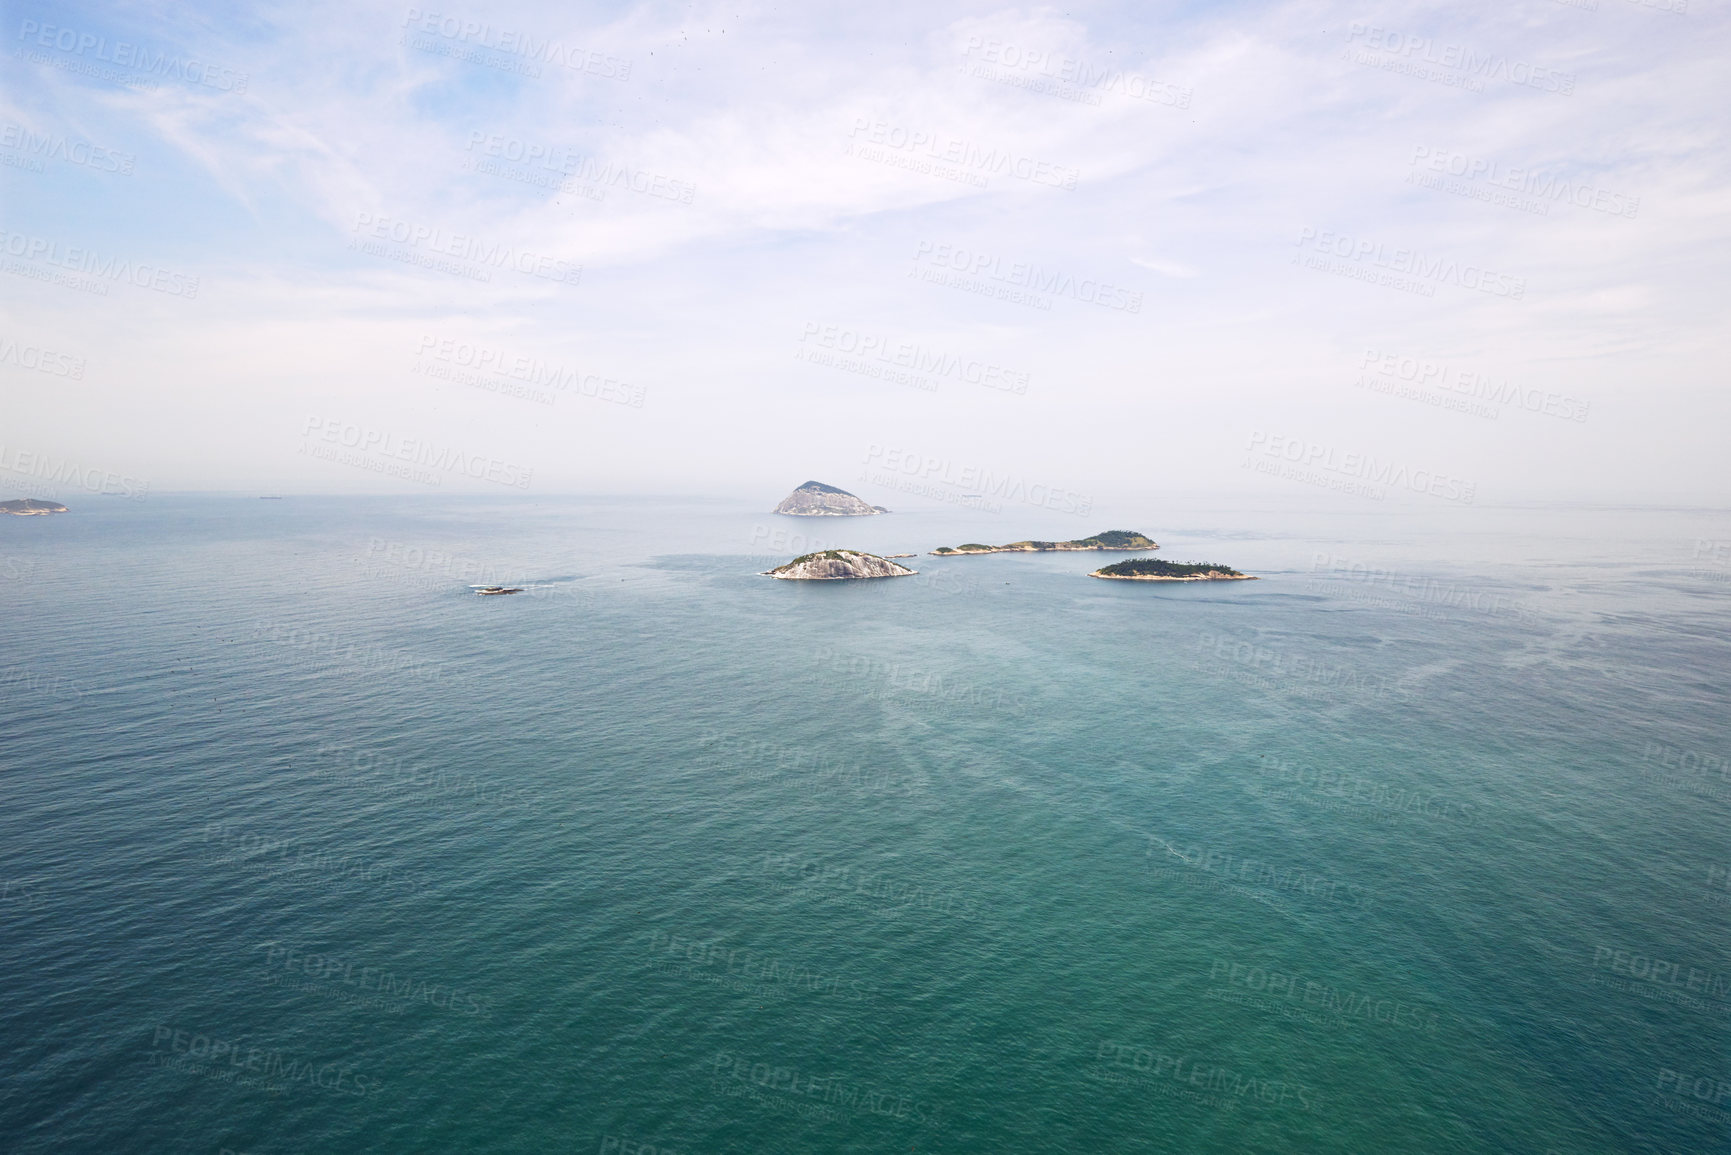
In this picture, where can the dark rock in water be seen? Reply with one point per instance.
(29, 506)
(838, 565)
(815, 499)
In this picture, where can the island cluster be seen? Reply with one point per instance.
(815, 499)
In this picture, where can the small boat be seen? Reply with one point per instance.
(488, 591)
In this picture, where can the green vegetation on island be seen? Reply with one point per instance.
(1154, 570)
(815, 499)
(1112, 539)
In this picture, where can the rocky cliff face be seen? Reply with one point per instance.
(29, 505)
(815, 499)
(839, 565)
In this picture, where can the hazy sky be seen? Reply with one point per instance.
(1052, 256)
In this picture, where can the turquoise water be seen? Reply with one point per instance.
(307, 849)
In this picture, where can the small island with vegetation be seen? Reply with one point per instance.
(815, 499)
(1112, 540)
(838, 565)
(30, 507)
(1148, 569)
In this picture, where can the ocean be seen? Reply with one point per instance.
(1416, 844)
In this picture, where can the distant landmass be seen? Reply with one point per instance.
(29, 506)
(815, 499)
(838, 565)
(1112, 539)
(1148, 569)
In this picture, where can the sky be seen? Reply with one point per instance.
(1049, 258)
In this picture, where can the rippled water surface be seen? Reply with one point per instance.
(1416, 844)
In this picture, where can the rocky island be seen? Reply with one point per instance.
(815, 499)
(838, 565)
(30, 507)
(1148, 569)
(1111, 540)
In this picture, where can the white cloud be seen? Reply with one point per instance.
(762, 168)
